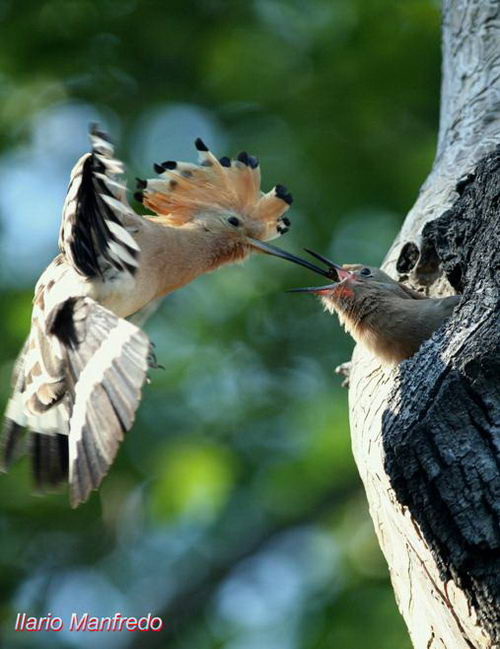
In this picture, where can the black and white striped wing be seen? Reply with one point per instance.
(94, 237)
(104, 360)
(107, 363)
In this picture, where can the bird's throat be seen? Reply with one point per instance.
(181, 254)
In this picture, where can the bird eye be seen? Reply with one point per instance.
(233, 221)
(365, 271)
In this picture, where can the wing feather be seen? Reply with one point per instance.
(93, 235)
(109, 366)
(105, 360)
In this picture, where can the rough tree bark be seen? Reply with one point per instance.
(426, 435)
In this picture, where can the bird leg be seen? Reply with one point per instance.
(344, 369)
(152, 360)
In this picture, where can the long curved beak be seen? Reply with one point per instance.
(322, 290)
(342, 273)
(268, 249)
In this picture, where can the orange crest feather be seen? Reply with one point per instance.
(185, 190)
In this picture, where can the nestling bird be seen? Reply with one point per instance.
(385, 316)
(77, 381)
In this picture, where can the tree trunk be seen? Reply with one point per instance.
(426, 435)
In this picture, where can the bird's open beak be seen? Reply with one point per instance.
(334, 271)
(268, 249)
(341, 273)
(316, 290)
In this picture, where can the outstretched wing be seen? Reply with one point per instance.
(107, 360)
(104, 360)
(93, 235)
(78, 380)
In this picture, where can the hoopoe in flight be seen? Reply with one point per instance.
(77, 381)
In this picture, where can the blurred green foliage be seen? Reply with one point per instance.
(234, 508)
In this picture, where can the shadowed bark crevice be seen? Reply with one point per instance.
(408, 257)
(441, 429)
(467, 236)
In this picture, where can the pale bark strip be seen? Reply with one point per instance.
(439, 614)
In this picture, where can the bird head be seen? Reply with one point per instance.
(355, 288)
(220, 197)
(384, 315)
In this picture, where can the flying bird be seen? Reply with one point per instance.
(388, 318)
(77, 381)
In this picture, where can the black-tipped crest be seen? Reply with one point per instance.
(158, 168)
(200, 145)
(141, 184)
(229, 185)
(283, 193)
(253, 162)
(139, 197)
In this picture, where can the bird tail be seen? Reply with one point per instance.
(105, 360)
(45, 442)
